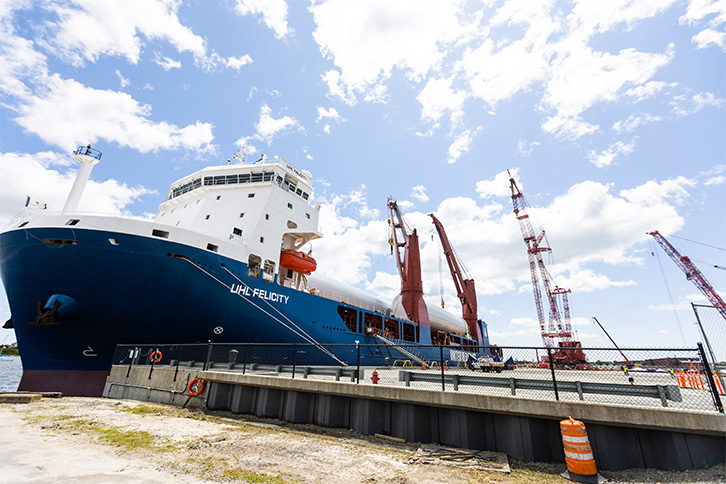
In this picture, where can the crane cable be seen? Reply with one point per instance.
(654, 252)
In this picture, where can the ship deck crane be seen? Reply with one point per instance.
(465, 287)
(557, 331)
(692, 273)
(408, 260)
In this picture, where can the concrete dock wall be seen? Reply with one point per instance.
(621, 436)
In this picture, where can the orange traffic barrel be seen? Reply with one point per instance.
(578, 453)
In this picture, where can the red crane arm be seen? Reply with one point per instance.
(409, 266)
(465, 288)
(692, 273)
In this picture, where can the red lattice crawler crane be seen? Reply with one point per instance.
(692, 273)
(557, 330)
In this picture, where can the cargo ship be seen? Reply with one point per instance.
(227, 258)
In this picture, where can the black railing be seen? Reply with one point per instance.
(675, 378)
(88, 151)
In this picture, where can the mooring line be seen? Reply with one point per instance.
(297, 330)
(310, 338)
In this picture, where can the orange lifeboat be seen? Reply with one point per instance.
(297, 261)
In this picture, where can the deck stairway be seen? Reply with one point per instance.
(411, 354)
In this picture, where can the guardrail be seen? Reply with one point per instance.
(663, 392)
(678, 378)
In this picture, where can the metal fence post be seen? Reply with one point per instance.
(441, 365)
(132, 357)
(552, 369)
(177, 362)
(294, 359)
(209, 353)
(357, 371)
(247, 352)
(151, 359)
(709, 377)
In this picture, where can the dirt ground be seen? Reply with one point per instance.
(99, 441)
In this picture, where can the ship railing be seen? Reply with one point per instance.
(678, 378)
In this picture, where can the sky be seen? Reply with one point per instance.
(610, 116)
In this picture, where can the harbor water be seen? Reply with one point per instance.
(11, 369)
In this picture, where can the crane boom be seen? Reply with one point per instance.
(465, 288)
(409, 266)
(557, 330)
(613, 341)
(692, 273)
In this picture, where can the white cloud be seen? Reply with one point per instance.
(709, 36)
(274, 14)
(237, 63)
(166, 63)
(606, 157)
(419, 193)
(438, 96)
(328, 113)
(460, 145)
(68, 113)
(633, 121)
(368, 39)
(122, 80)
(268, 127)
(685, 105)
(88, 29)
(499, 185)
(525, 148)
(18, 60)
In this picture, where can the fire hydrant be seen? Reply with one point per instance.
(374, 377)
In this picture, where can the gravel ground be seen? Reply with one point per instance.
(99, 441)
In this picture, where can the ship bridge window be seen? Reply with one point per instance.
(256, 177)
(187, 187)
(305, 196)
(349, 317)
(253, 266)
(231, 179)
(268, 270)
(160, 233)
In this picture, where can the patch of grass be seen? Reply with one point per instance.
(145, 410)
(128, 439)
(253, 477)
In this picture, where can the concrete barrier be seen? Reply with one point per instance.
(621, 436)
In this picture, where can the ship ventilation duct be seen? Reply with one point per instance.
(87, 157)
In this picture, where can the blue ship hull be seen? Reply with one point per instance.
(147, 290)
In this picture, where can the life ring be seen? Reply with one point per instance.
(195, 387)
(155, 356)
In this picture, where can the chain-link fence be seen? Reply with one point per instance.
(644, 377)
(712, 327)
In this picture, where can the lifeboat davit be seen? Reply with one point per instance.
(297, 261)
